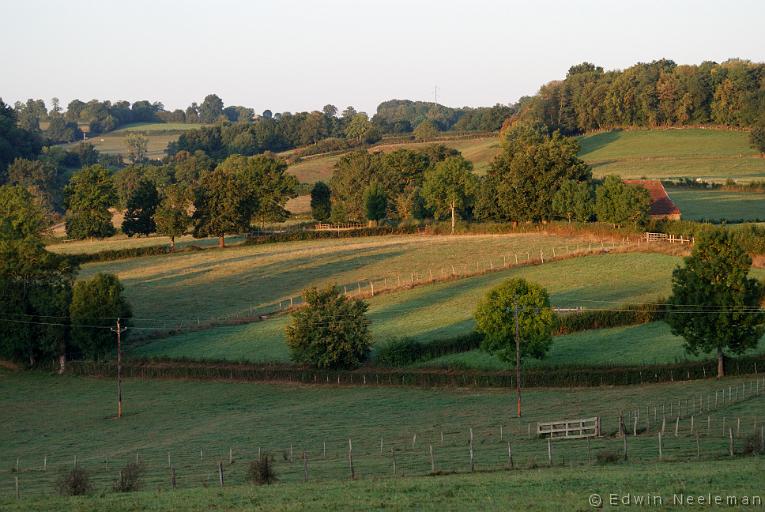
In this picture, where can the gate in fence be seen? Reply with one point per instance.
(570, 429)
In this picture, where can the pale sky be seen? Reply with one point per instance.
(295, 55)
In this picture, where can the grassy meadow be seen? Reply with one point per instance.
(718, 204)
(444, 310)
(713, 155)
(51, 419)
(212, 284)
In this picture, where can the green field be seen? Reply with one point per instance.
(157, 127)
(213, 284)
(119, 242)
(712, 155)
(540, 490)
(718, 204)
(640, 344)
(445, 310)
(51, 419)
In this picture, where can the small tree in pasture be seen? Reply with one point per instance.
(331, 331)
(141, 206)
(375, 203)
(715, 306)
(574, 200)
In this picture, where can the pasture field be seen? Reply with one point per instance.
(636, 344)
(445, 310)
(158, 127)
(211, 284)
(716, 205)
(552, 490)
(116, 143)
(713, 155)
(51, 419)
(480, 151)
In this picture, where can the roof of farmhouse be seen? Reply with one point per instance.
(661, 204)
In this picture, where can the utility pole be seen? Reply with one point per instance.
(517, 357)
(119, 330)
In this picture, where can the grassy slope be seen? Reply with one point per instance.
(446, 309)
(552, 489)
(60, 417)
(210, 284)
(708, 154)
(718, 204)
(648, 343)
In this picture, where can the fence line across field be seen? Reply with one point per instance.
(688, 432)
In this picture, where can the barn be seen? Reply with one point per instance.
(662, 206)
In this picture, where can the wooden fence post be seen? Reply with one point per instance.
(172, 478)
(432, 460)
(660, 454)
(625, 446)
(472, 467)
(510, 454)
(18, 491)
(549, 450)
(220, 472)
(730, 441)
(350, 458)
(393, 456)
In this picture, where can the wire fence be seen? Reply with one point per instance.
(392, 282)
(727, 423)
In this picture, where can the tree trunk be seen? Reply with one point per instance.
(720, 363)
(453, 218)
(221, 241)
(172, 243)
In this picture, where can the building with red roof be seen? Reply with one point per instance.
(662, 206)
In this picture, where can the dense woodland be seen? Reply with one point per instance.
(659, 93)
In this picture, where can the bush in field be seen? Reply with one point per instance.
(75, 482)
(332, 331)
(261, 471)
(130, 478)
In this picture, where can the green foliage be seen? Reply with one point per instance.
(361, 130)
(332, 331)
(574, 200)
(222, 205)
(172, 216)
(96, 305)
(138, 147)
(141, 207)
(267, 185)
(757, 137)
(35, 285)
(375, 202)
(321, 204)
(527, 173)
(40, 178)
(715, 306)
(495, 319)
(88, 197)
(618, 203)
(427, 129)
(449, 187)
(210, 109)
(15, 142)
(651, 94)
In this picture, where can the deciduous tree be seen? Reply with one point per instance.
(450, 186)
(88, 197)
(715, 305)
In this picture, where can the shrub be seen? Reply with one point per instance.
(75, 482)
(130, 478)
(607, 457)
(629, 314)
(400, 352)
(754, 445)
(261, 471)
(331, 332)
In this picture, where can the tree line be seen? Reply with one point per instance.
(653, 94)
(536, 177)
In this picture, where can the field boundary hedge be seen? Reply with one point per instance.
(573, 376)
